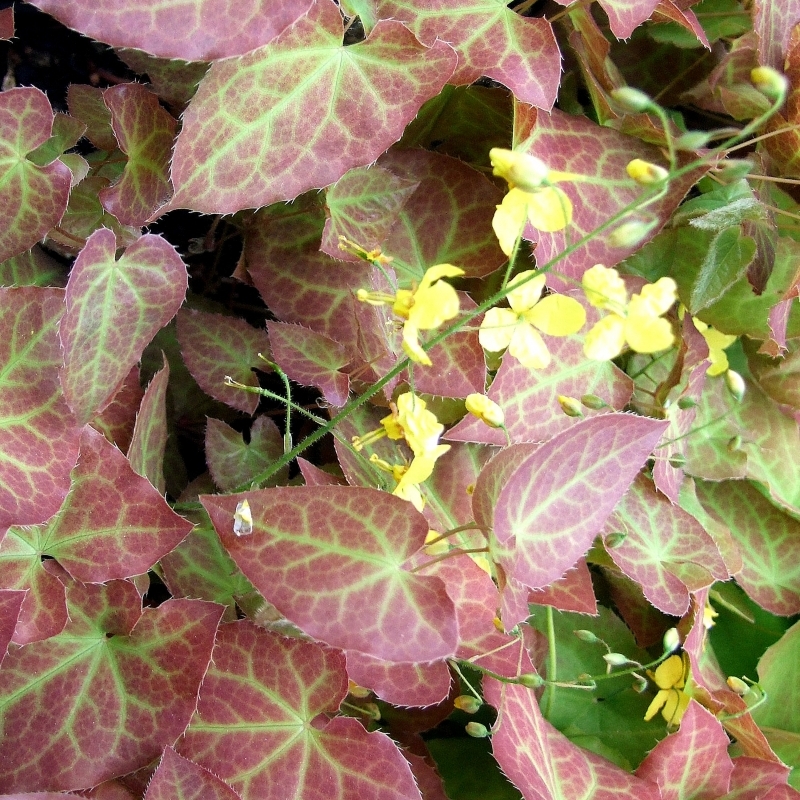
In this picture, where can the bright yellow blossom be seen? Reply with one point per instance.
(423, 308)
(717, 343)
(515, 328)
(636, 322)
(670, 677)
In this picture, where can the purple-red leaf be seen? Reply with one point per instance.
(105, 696)
(260, 725)
(38, 434)
(145, 132)
(118, 419)
(246, 133)
(214, 346)
(86, 104)
(34, 197)
(10, 606)
(114, 308)
(330, 559)
(401, 684)
(692, 764)
(149, 441)
(177, 777)
(200, 30)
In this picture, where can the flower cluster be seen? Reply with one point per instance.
(635, 322)
(423, 307)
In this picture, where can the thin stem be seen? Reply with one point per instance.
(287, 431)
(470, 526)
(695, 430)
(548, 699)
(449, 554)
(454, 666)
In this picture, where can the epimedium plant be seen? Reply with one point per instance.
(508, 423)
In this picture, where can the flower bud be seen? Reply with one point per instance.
(570, 406)
(734, 443)
(692, 140)
(594, 402)
(521, 170)
(737, 685)
(640, 683)
(617, 660)
(630, 99)
(769, 82)
(645, 173)
(476, 730)
(686, 402)
(672, 640)
(371, 710)
(467, 703)
(630, 233)
(736, 386)
(485, 410)
(531, 680)
(586, 636)
(358, 691)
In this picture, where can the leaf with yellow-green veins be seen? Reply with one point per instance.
(262, 724)
(173, 80)
(448, 218)
(145, 133)
(665, 550)
(215, 346)
(10, 605)
(331, 558)
(543, 764)
(149, 441)
(114, 308)
(117, 421)
(490, 39)
(32, 268)
(34, 197)
(38, 434)
(86, 105)
(576, 144)
(198, 30)
(556, 499)
(232, 461)
(106, 695)
(299, 113)
(298, 282)
(573, 591)
(529, 398)
(692, 763)
(363, 205)
(177, 777)
(768, 538)
(778, 377)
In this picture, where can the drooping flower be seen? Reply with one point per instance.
(423, 308)
(671, 699)
(531, 197)
(717, 343)
(486, 410)
(517, 328)
(636, 322)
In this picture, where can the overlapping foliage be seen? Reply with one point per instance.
(303, 545)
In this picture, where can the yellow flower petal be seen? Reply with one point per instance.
(549, 209)
(411, 346)
(420, 427)
(557, 315)
(675, 706)
(655, 298)
(497, 329)
(433, 305)
(519, 169)
(605, 289)
(524, 297)
(509, 219)
(670, 673)
(656, 704)
(433, 274)
(646, 334)
(606, 339)
(528, 347)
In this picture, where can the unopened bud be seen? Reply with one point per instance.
(630, 99)
(586, 636)
(672, 640)
(687, 402)
(594, 402)
(617, 660)
(615, 539)
(736, 386)
(734, 443)
(358, 691)
(476, 730)
(677, 461)
(769, 82)
(467, 703)
(485, 410)
(639, 683)
(521, 170)
(630, 233)
(737, 685)
(570, 406)
(692, 140)
(531, 680)
(645, 173)
(371, 710)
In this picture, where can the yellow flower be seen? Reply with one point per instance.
(532, 197)
(717, 343)
(636, 322)
(709, 615)
(515, 328)
(485, 410)
(670, 677)
(423, 308)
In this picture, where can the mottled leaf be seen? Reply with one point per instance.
(773, 22)
(261, 724)
(105, 696)
(490, 39)
(178, 778)
(543, 764)
(344, 547)
(402, 684)
(558, 498)
(311, 359)
(246, 134)
(10, 605)
(200, 30)
(118, 419)
(32, 268)
(573, 591)
(38, 435)
(86, 104)
(752, 778)
(692, 764)
(34, 197)
(145, 132)
(135, 294)
(174, 81)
